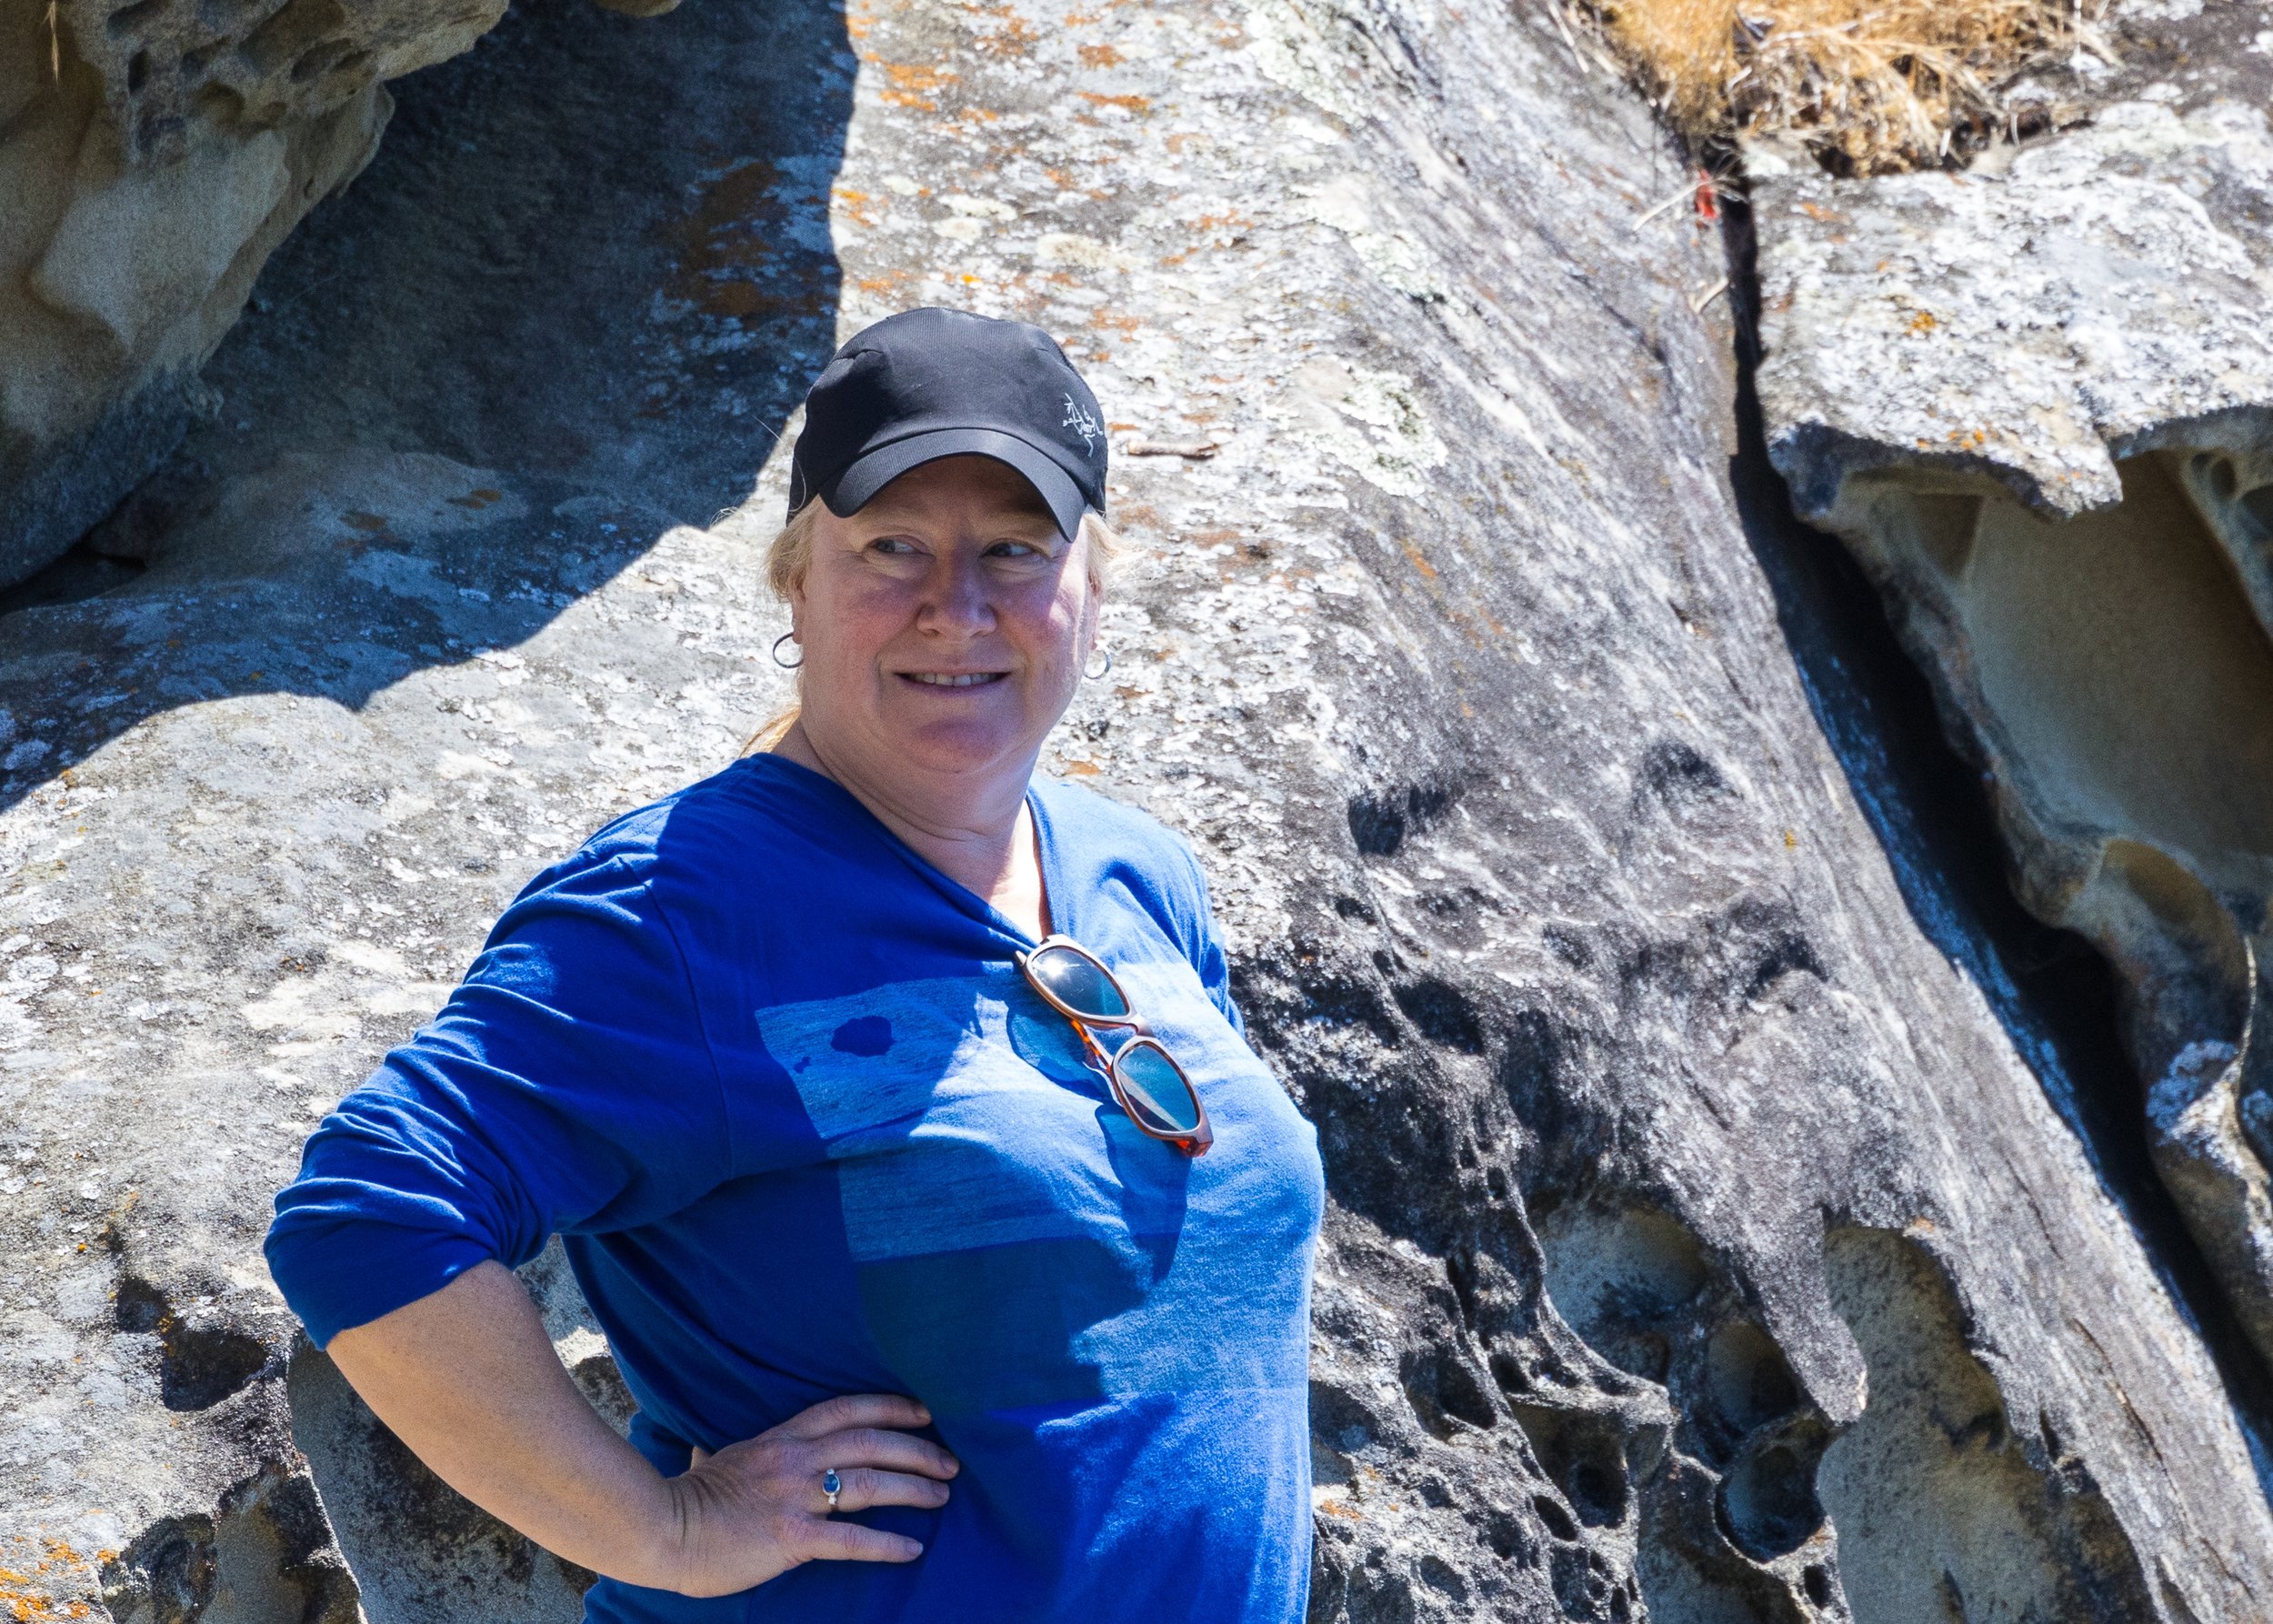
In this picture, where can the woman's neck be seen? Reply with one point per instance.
(980, 835)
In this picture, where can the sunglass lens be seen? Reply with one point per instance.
(1156, 1089)
(1077, 983)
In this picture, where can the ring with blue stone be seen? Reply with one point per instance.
(832, 1486)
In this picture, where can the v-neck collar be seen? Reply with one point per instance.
(1056, 899)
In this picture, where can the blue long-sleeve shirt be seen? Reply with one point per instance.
(807, 1131)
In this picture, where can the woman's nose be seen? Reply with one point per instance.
(958, 600)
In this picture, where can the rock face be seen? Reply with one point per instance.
(2036, 399)
(1703, 1245)
(153, 156)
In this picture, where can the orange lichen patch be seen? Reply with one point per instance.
(857, 207)
(1413, 556)
(731, 259)
(1115, 322)
(1016, 37)
(1184, 139)
(1082, 769)
(358, 520)
(1099, 57)
(31, 1596)
(1126, 103)
(1220, 231)
(477, 499)
(1923, 322)
(917, 76)
(912, 84)
(885, 283)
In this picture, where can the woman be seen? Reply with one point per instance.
(938, 1303)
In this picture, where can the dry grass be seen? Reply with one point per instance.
(1874, 85)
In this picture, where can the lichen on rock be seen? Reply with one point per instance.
(1682, 1184)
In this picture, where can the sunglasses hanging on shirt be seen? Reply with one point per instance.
(1148, 1084)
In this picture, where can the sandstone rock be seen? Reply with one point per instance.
(2033, 318)
(2036, 399)
(1703, 1246)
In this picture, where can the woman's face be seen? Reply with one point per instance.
(944, 625)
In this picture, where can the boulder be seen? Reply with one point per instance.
(2036, 397)
(1714, 1232)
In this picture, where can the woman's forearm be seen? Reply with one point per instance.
(467, 1378)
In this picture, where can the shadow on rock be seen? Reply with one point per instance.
(527, 301)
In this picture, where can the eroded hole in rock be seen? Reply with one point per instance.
(1381, 822)
(1585, 1455)
(204, 1359)
(2114, 673)
(1814, 1579)
(1550, 1513)
(1768, 1505)
(1443, 1384)
(1340, 1416)
(169, 1570)
(1680, 775)
(2046, 632)
(1750, 1380)
(1929, 1485)
(1617, 1273)
(1444, 1013)
(265, 1555)
(1441, 1575)
(2258, 506)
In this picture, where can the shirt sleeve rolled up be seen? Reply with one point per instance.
(567, 1085)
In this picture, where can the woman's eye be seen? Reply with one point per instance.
(894, 546)
(1016, 550)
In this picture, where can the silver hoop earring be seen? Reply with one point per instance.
(1099, 675)
(787, 665)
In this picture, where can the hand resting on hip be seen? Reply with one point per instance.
(467, 1378)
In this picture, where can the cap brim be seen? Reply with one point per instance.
(872, 471)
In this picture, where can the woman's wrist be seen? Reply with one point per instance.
(652, 1534)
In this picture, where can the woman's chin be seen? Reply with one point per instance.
(957, 745)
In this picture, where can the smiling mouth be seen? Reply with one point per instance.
(953, 679)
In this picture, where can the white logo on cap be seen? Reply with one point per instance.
(1078, 419)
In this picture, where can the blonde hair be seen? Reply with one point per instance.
(791, 554)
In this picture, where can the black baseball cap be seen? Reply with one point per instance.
(928, 384)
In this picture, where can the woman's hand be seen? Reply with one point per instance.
(468, 1379)
(755, 1509)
